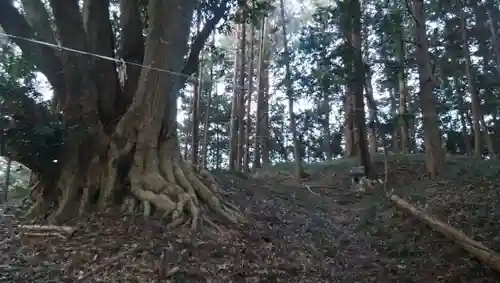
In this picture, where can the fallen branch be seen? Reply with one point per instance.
(309, 189)
(474, 248)
(49, 230)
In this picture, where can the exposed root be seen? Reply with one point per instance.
(159, 182)
(180, 192)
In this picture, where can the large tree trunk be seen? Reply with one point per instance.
(143, 149)
(158, 175)
(432, 137)
(351, 149)
(372, 116)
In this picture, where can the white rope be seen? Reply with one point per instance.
(60, 47)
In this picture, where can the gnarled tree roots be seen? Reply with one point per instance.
(181, 193)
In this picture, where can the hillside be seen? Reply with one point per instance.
(328, 235)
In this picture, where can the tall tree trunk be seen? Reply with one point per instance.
(261, 122)
(477, 114)
(372, 106)
(241, 96)
(463, 113)
(404, 115)
(206, 123)
(299, 172)
(357, 78)
(432, 138)
(233, 148)
(195, 112)
(248, 128)
(265, 151)
(372, 116)
(492, 13)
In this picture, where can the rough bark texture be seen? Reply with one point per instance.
(356, 82)
(97, 159)
(350, 143)
(432, 138)
(372, 114)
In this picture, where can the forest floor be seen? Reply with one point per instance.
(331, 235)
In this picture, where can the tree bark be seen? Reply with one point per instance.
(477, 114)
(351, 148)
(372, 116)
(241, 98)
(299, 171)
(233, 147)
(357, 79)
(432, 138)
(143, 152)
(404, 115)
(261, 122)
(248, 128)
(206, 123)
(195, 114)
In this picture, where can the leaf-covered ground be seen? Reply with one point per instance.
(327, 235)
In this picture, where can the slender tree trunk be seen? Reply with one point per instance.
(248, 128)
(299, 172)
(195, 126)
(261, 131)
(241, 100)
(492, 12)
(463, 113)
(266, 161)
(206, 123)
(372, 116)
(477, 115)
(404, 115)
(233, 149)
